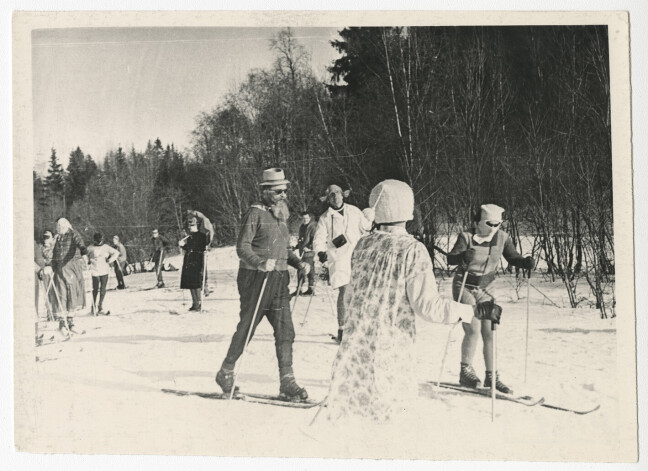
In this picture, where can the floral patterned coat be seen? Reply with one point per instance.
(391, 281)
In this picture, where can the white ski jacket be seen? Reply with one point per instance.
(353, 224)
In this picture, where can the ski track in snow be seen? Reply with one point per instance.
(101, 391)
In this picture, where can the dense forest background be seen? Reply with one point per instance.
(517, 116)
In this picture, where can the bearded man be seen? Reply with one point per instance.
(263, 251)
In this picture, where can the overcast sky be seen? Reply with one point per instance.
(100, 88)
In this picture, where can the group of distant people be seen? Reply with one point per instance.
(60, 261)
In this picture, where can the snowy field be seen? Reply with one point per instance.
(101, 391)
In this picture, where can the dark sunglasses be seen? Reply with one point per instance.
(493, 224)
(279, 192)
(47, 237)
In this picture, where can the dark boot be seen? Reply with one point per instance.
(290, 390)
(468, 377)
(62, 324)
(225, 379)
(339, 337)
(501, 387)
(308, 292)
(70, 322)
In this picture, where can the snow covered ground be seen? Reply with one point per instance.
(101, 391)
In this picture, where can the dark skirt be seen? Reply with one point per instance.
(192, 270)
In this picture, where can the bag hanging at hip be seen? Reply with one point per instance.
(339, 241)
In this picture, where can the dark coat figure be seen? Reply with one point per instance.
(192, 266)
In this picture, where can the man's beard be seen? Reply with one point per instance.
(280, 210)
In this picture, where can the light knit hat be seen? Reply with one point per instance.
(392, 201)
(491, 212)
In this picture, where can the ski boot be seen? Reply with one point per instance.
(225, 379)
(290, 390)
(196, 307)
(308, 292)
(160, 284)
(339, 336)
(207, 291)
(501, 387)
(468, 377)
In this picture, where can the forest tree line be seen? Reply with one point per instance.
(517, 116)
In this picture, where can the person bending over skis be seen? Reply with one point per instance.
(478, 252)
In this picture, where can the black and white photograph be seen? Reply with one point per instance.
(347, 235)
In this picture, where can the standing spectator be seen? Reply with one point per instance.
(338, 231)
(100, 257)
(194, 246)
(68, 265)
(205, 226)
(305, 248)
(120, 263)
(160, 246)
(262, 247)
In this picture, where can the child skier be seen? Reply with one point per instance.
(101, 256)
(478, 252)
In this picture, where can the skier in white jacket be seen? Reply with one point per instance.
(338, 231)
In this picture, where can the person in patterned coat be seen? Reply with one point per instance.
(391, 283)
(69, 260)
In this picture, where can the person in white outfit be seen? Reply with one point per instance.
(101, 256)
(338, 231)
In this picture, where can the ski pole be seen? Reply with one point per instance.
(494, 372)
(545, 296)
(204, 275)
(184, 296)
(58, 299)
(307, 309)
(445, 351)
(526, 342)
(48, 305)
(463, 285)
(249, 334)
(319, 409)
(300, 282)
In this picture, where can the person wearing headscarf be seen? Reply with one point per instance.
(338, 231)
(194, 246)
(100, 257)
(263, 278)
(392, 282)
(478, 253)
(68, 266)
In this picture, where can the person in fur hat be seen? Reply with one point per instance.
(338, 231)
(478, 252)
(264, 255)
(392, 282)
